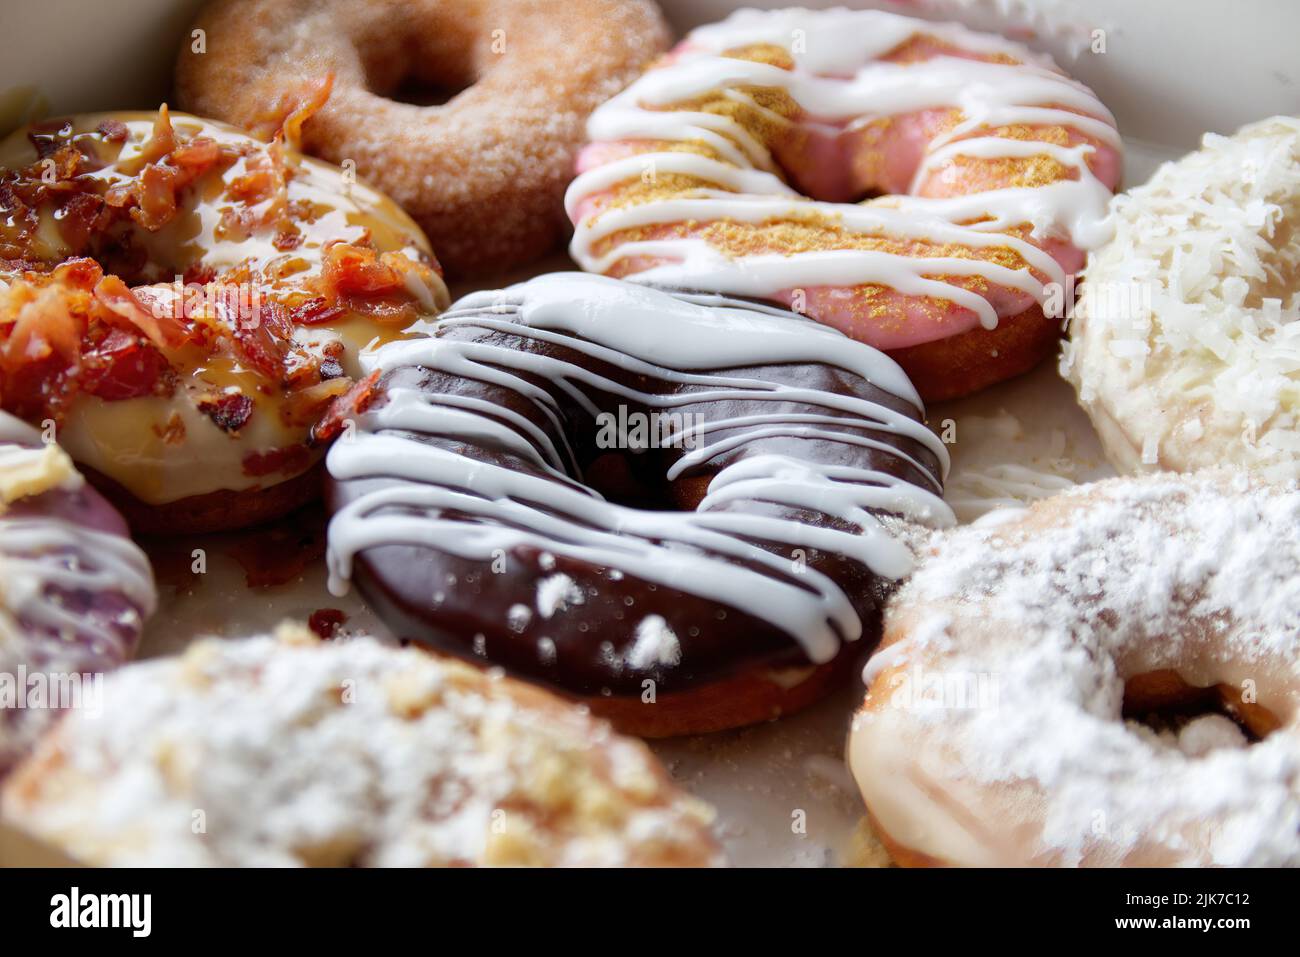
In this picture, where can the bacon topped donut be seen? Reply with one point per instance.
(739, 165)
(184, 302)
(679, 508)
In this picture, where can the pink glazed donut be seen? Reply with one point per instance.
(921, 187)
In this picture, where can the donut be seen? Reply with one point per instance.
(677, 508)
(1003, 720)
(740, 164)
(483, 173)
(300, 752)
(74, 590)
(184, 302)
(1181, 346)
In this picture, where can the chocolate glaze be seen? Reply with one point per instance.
(463, 605)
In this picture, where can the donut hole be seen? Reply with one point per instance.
(431, 74)
(418, 90)
(1185, 715)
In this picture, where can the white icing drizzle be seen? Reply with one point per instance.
(837, 79)
(41, 553)
(688, 337)
(43, 559)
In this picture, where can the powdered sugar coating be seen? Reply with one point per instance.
(297, 752)
(1054, 608)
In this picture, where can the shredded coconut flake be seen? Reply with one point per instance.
(1190, 312)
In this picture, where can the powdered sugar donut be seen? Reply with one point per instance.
(737, 166)
(483, 174)
(301, 752)
(1184, 342)
(993, 730)
(74, 590)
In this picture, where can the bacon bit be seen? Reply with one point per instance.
(309, 102)
(289, 460)
(173, 432)
(316, 311)
(286, 240)
(285, 120)
(78, 218)
(155, 197)
(115, 131)
(199, 153)
(305, 406)
(124, 367)
(120, 196)
(163, 138)
(165, 332)
(199, 274)
(230, 412)
(345, 408)
(65, 320)
(262, 338)
(326, 622)
(357, 270)
(49, 318)
(48, 138)
(261, 180)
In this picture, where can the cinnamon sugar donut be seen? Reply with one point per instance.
(300, 752)
(737, 165)
(183, 302)
(483, 173)
(74, 590)
(993, 730)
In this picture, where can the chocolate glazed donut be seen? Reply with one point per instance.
(497, 498)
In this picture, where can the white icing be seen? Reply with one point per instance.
(836, 79)
(683, 339)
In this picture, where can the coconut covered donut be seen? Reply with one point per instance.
(183, 302)
(679, 508)
(483, 173)
(74, 590)
(738, 163)
(994, 729)
(306, 753)
(1183, 344)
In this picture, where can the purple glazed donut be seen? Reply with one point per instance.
(74, 589)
